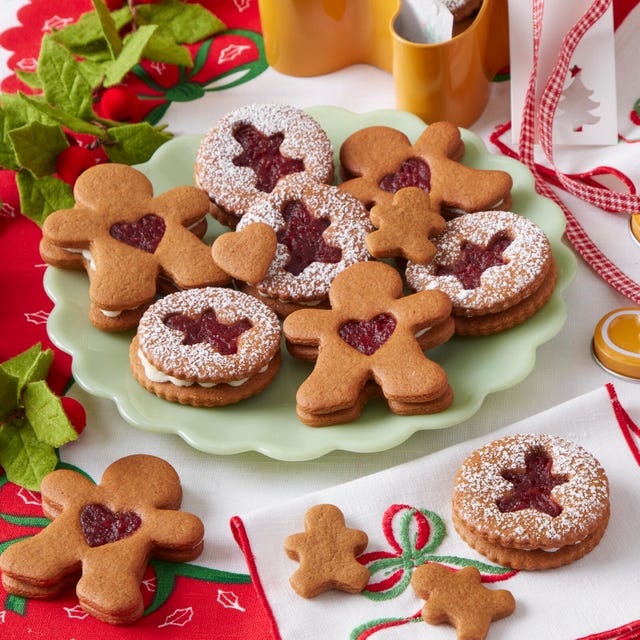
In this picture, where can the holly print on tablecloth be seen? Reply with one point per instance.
(181, 600)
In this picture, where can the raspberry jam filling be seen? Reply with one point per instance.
(302, 235)
(207, 328)
(367, 336)
(414, 172)
(475, 260)
(100, 525)
(532, 487)
(262, 154)
(144, 234)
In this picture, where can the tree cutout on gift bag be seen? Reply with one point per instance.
(575, 109)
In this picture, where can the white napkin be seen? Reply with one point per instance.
(593, 595)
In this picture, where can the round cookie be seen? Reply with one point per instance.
(243, 156)
(531, 501)
(496, 267)
(320, 232)
(206, 347)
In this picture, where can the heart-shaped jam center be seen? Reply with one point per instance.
(413, 172)
(144, 234)
(261, 153)
(367, 336)
(532, 487)
(100, 525)
(302, 235)
(207, 328)
(474, 260)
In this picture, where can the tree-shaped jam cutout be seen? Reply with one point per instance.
(475, 259)
(532, 487)
(262, 154)
(413, 172)
(146, 233)
(302, 235)
(207, 328)
(367, 336)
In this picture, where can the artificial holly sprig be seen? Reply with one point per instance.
(34, 421)
(77, 67)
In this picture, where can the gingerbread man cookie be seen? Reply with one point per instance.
(370, 341)
(460, 599)
(130, 240)
(404, 227)
(378, 161)
(104, 534)
(327, 552)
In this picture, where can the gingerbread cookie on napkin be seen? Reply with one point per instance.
(129, 241)
(378, 161)
(102, 537)
(369, 343)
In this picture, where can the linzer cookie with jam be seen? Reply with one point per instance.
(206, 347)
(496, 267)
(368, 343)
(131, 244)
(245, 154)
(531, 501)
(101, 537)
(319, 232)
(378, 161)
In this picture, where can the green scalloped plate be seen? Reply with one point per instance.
(267, 423)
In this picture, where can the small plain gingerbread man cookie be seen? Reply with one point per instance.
(367, 341)
(460, 599)
(327, 552)
(129, 240)
(404, 227)
(106, 533)
(378, 161)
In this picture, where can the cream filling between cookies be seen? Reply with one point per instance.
(155, 375)
(461, 212)
(302, 303)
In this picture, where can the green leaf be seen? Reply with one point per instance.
(37, 147)
(64, 85)
(24, 458)
(108, 27)
(40, 196)
(163, 48)
(30, 78)
(44, 411)
(85, 37)
(53, 114)
(30, 365)
(135, 143)
(9, 394)
(8, 158)
(187, 23)
(19, 111)
(131, 54)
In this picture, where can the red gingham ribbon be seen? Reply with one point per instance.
(600, 197)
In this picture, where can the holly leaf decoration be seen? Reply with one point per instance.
(37, 146)
(41, 196)
(131, 54)
(136, 143)
(34, 422)
(108, 28)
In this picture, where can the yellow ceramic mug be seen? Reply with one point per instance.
(444, 81)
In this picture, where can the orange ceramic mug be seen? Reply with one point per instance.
(444, 81)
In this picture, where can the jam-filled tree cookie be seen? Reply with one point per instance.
(102, 537)
(367, 343)
(378, 161)
(130, 241)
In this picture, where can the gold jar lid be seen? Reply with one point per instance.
(616, 342)
(635, 226)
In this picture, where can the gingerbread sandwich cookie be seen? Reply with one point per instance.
(378, 161)
(319, 232)
(102, 536)
(132, 244)
(244, 155)
(531, 501)
(496, 267)
(367, 344)
(206, 347)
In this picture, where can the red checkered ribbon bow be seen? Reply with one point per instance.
(600, 197)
